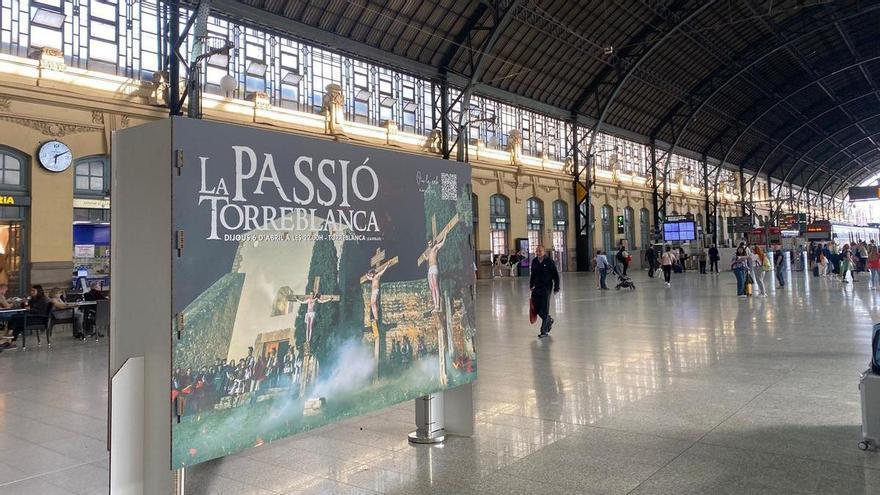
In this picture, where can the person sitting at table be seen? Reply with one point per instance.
(94, 293)
(89, 312)
(64, 311)
(4, 304)
(37, 305)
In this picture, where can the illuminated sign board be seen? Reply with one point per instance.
(864, 193)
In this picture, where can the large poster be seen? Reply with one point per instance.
(314, 281)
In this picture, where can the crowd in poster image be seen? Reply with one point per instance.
(401, 354)
(229, 383)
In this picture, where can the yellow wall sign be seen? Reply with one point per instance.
(7, 200)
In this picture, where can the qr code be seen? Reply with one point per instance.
(448, 187)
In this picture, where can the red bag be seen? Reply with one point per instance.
(533, 315)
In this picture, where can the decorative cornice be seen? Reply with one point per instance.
(97, 117)
(5, 104)
(53, 129)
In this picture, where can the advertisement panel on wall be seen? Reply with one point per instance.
(314, 281)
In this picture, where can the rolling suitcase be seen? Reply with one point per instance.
(869, 387)
(815, 270)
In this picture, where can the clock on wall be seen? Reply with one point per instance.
(55, 156)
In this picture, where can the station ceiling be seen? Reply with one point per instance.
(785, 88)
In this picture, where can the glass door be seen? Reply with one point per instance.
(11, 255)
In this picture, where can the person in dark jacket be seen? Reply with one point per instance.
(94, 293)
(623, 257)
(779, 262)
(714, 257)
(651, 258)
(37, 305)
(544, 279)
(89, 312)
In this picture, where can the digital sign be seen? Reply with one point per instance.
(864, 193)
(679, 231)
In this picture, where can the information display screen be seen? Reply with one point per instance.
(679, 231)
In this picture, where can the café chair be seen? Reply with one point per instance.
(37, 323)
(102, 318)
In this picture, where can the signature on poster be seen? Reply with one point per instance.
(424, 181)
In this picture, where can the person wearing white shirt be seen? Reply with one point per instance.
(666, 262)
(602, 267)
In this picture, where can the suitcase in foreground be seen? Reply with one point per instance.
(869, 386)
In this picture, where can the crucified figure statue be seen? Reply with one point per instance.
(430, 255)
(311, 300)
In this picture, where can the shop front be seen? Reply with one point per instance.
(91, 243)
(15, 204)
(13, 224)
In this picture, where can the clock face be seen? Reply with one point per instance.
(55, 156)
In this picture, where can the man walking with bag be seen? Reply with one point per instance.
(544, 279)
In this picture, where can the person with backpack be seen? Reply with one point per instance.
(623, 257)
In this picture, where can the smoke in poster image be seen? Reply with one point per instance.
(320, 281)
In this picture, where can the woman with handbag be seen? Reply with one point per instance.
(760, 267)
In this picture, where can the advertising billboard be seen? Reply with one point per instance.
(313, 281)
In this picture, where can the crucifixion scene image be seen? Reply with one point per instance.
(303, 331)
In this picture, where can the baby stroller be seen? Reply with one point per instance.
(623, 282)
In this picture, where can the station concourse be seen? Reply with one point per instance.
(329, 211)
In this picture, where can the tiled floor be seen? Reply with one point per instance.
(680, 390)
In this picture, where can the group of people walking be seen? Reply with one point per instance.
(671, 260)
(830, 260)
(749, 264)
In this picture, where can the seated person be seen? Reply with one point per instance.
(63, 311)
(4, 304)
(94, 294)
(37, 305)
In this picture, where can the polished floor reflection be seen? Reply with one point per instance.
(680, 390)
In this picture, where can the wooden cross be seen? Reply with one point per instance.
(379, 264)
(301, 298)
(435, 236)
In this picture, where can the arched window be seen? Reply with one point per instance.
(645, 224)
(629, 227)
(534, 222)
(560, 227)
(91, 180)
(475, 207)
(607, 236)
(92, 176)
(14, 182)
(560, 215)
(475, 214)
(13, 169)
(499, 221)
